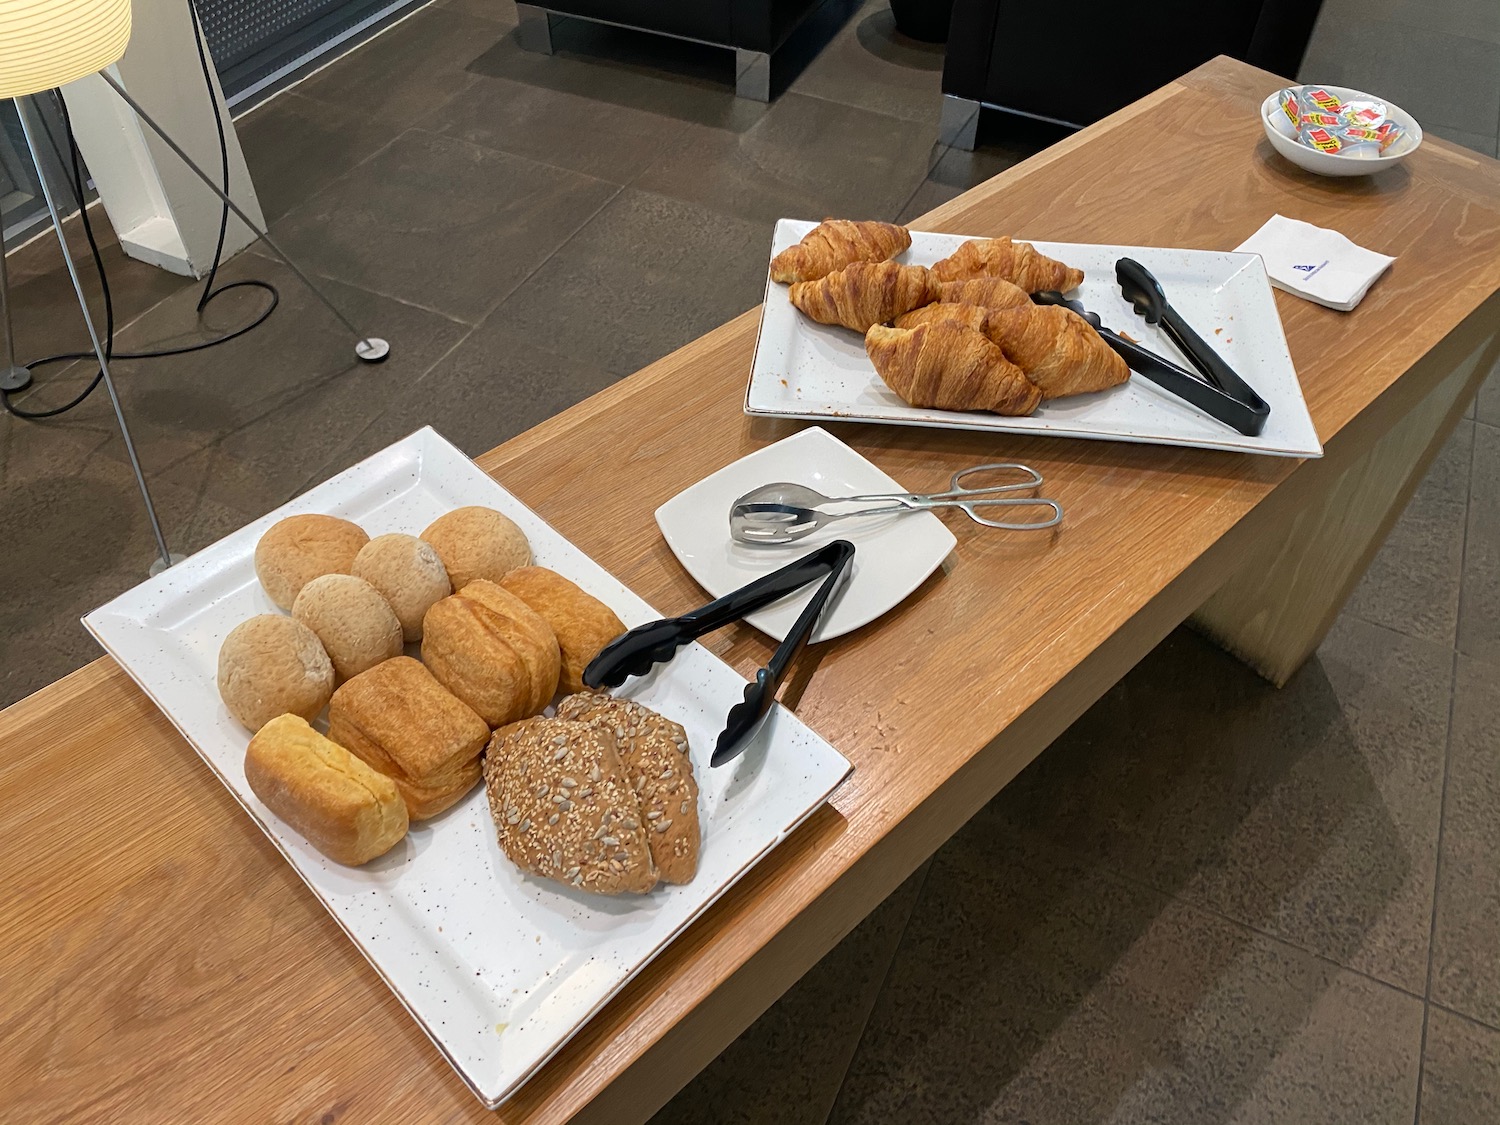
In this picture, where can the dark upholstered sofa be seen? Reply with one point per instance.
(753, 29)
(1073, 63)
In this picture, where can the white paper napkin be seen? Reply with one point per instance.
(1315, 263)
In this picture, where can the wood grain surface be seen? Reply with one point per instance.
(162, 964)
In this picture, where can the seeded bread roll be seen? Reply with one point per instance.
(356, 625)
(271, 665)
(477, 543)
(563, 808)
(408, 574)
(582, 622)
(399, 720)
(494, 652)
(341, 806)
(654, 752)
(300, 548)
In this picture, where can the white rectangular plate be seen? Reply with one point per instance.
(807, 370)
(498, 968)
(894, 554)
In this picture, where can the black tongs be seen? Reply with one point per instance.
(1219, 392)
(635, 653)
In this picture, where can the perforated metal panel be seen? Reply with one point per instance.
(256, 41)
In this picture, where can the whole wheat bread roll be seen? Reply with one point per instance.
(408, 573)
(564, 809)
(477, 543)
(300, 548)
(272, 665)
(583, 624)
(342, 807)
(357, 627)
(654, 754)
(493, 651)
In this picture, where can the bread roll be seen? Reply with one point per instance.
(494, 652)
(654, 753)
(400, 721)
(408, 573)
(341, 806)
(477, 543)
(272, 665)
(583, 624)
(563, 808)
(357, 626)
(300, 548)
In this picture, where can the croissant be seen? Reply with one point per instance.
(1017, 262)
(836, 243)
(865, 293)
(990, 292)
(1059, 351)
(950, 367)
(971, 316)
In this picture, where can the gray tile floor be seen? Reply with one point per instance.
(1209, 901)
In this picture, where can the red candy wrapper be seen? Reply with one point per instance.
(1324, 121)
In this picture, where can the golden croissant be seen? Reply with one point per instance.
(836, 243)
(1017, 262)
(1059, 351)
(970, 316)
(988, 292)
(865, 293)
(950, 367)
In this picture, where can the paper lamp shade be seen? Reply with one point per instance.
(47, 43)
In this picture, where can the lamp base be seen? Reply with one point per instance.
(372, 349)
(14, 379)
(158, 566)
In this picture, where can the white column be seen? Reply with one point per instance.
(162, 213)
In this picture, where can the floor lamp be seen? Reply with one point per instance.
(45, 44)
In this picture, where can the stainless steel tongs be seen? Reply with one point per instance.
(785, 512)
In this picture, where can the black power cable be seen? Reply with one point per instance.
(209, 292)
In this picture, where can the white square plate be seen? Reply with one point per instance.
(807, 370)
(893, 554)
(499, 969)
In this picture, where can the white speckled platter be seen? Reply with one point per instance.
(498, 968)
(807, 370)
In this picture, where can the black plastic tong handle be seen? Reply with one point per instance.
(745, 716)
(1141, 289)
(1248, 416)
(635, 653)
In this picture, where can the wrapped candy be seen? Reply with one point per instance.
(1322, 120)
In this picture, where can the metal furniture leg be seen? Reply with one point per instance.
(959, 125)
(13, 377)
(166, 558)
(534, 31)
(752, 75)
(371, 349)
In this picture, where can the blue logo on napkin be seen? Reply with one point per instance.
(1309, 271)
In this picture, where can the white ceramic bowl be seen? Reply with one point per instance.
(1279, 132)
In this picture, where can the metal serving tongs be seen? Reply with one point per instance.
(1228, 398)
(635, 653)
(785, 512)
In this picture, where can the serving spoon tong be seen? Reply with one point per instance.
(784, 512)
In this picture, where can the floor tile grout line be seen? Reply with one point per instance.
(1281, 939)
(479, 323)
(1437, 872)
(1452, 1011)
(885, 978)
(943, 155)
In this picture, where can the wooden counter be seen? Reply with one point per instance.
(161, 963)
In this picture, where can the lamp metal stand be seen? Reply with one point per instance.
(371, 349)
(166, 558)
(13, 377)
